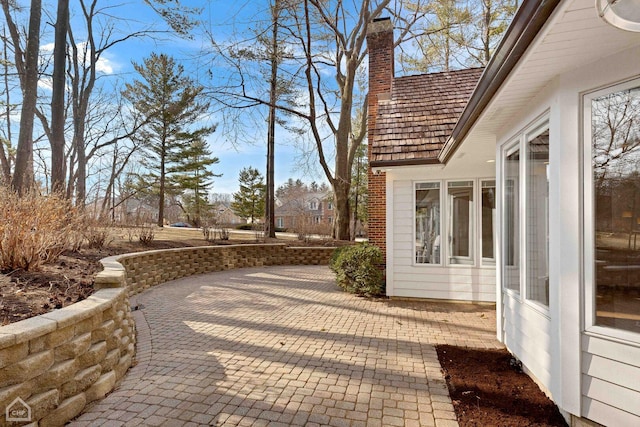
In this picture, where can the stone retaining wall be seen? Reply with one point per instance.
(147, 269)
(59, 362)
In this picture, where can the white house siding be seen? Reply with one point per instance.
(588, 373)
(405, 278)
(527, 333)
(611, 375)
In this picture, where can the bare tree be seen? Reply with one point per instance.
(6, 154)
(329, 40)
(339, 34)
(26, 62)
(57, 97)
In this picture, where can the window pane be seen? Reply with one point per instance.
(511, 231)
(615, 122)
(460, 221)
(428, 223)
(538, 218)
(488, 219)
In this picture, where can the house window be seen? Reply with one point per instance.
(525, 213)
(488, 221)
(280, 222)
(427, 218)
(537, 224)
(461, 208)
(330, 206)
(330, 219)
(612, 208)
(511, 219)
(313, 205)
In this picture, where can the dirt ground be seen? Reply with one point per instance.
(25, 294)
(488, 388)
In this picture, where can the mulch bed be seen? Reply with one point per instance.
(488, 388)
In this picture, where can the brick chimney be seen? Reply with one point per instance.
(381, 73)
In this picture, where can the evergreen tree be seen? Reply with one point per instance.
(248, 203)
(171, 103)
(192, 175)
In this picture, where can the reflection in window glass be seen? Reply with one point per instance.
(460, 196)
(488, 220)
(511, 223)
(615, 126)
(538, 218)
(427, 241)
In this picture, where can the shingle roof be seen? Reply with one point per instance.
(416, 122)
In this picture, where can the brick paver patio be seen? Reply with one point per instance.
(282, 346)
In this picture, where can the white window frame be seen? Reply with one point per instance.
(519, 142)
(534, 130)
(487, 262)
(414, 186)
(507, 149)
(457, 261)
(588, 215)
(280, 222)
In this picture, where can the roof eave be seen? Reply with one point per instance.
(376, 164)
(527, 23)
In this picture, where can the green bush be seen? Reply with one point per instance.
(358, 269)
(245, 227)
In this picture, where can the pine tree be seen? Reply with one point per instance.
(171, 103)
(248, 202)
(192, 176)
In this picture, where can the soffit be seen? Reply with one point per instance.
(574, 36)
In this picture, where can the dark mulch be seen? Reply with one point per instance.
(488, 388)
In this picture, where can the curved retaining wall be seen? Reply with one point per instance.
(59, 362)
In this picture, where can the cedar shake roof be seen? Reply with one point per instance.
(415, 123)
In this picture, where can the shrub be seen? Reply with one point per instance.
(97, 236)
(34, 229)
(146, 235)
(358, 270)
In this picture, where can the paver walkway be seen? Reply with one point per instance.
(284, 346)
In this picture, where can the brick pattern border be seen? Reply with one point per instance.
(59, 362)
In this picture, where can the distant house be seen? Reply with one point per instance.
(305, 210)
(530, 197)
(224, 215)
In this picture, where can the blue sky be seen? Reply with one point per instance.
(222, 18)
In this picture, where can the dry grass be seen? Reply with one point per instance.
(34, 229)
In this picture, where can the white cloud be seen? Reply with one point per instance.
(105, 66)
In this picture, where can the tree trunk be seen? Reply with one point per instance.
(162, 179)
(57, 98)
(5, 158)
(23, 173)
(342, 217)
(270, 220)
